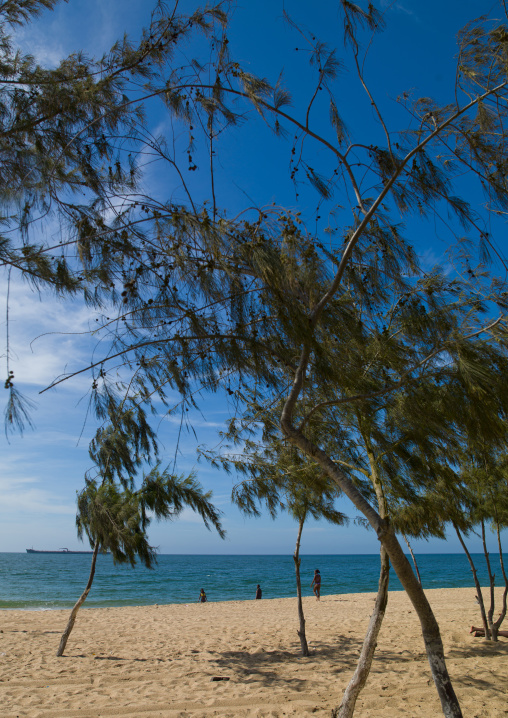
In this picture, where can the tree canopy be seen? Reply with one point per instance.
(264, 303)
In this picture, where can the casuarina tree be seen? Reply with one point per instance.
(115, 515)
(276, 476)
(203, 296)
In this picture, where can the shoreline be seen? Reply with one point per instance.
(184, 603)
(162, 660)
(338, 596)
(324, 596)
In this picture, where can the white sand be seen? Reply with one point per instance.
(158, 661)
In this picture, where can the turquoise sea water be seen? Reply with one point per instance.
(46, 581)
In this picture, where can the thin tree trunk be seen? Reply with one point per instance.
(363, 666)
(502, 615)
(430, 628)
(359, 679)
(79, 602)
(296, 559)
(401, 566)
(414, 559)
(492, 580)
(479, 594)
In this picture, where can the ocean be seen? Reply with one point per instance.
(49, 581)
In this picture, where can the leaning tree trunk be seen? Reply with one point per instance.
(479, 594)
(492, 581)
(502, 615)
(430, 628)
(296, 559)
(400, 564)
(414, 559)
(79, 602)
(357, 682)
(363, 666)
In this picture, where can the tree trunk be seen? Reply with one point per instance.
(414, 559)
(79, 602)
(492, 580)
(359, 679)
(502, 615)
(296, 559)
(430, 628)
(398, 560)
(479, 594)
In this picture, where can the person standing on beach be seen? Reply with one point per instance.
(259, 592)
(316, 582)
(202, 596)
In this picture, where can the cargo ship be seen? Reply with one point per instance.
(60, 550)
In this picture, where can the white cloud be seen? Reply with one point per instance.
(23, 497)
(47, 336)
(94, 26)
(196, 423)
(45, 48)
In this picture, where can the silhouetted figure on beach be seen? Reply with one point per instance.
(202, 596)
(480, 632)
(259, 592)
(316, 582)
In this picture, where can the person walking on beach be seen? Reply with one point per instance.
(316, 582)
(202, 596)
(259, 592)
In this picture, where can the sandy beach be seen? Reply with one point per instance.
(160, 660)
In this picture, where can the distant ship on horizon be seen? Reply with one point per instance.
(60, 550)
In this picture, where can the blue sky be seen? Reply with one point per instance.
(41, 471)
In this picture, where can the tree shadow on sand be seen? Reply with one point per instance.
(338, 658)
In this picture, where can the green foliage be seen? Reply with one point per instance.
(16, 12)
(166, 496)
(349, 338)
(116, 515)
(119, 448)
(117, 518)
(365, 371)
(17, 409)
(112, 517)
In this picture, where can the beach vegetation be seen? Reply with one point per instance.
(265, 302)
(69, 137)
(393, 445)
(471, 500)
(115, 515)
(275, 475)
(486, 505)
(467, 490)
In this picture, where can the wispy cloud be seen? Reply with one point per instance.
(430, 259)
(195, 421)
(46, 49)
(61, 32)
(397, 6)
(47, 336)
(24, 496)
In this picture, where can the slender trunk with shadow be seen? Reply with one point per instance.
(414, 559)
(479, 595)
(502, 615)
(296, 558)
(79, 602)
(359, 679)
(386, 535)
(492, 581)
